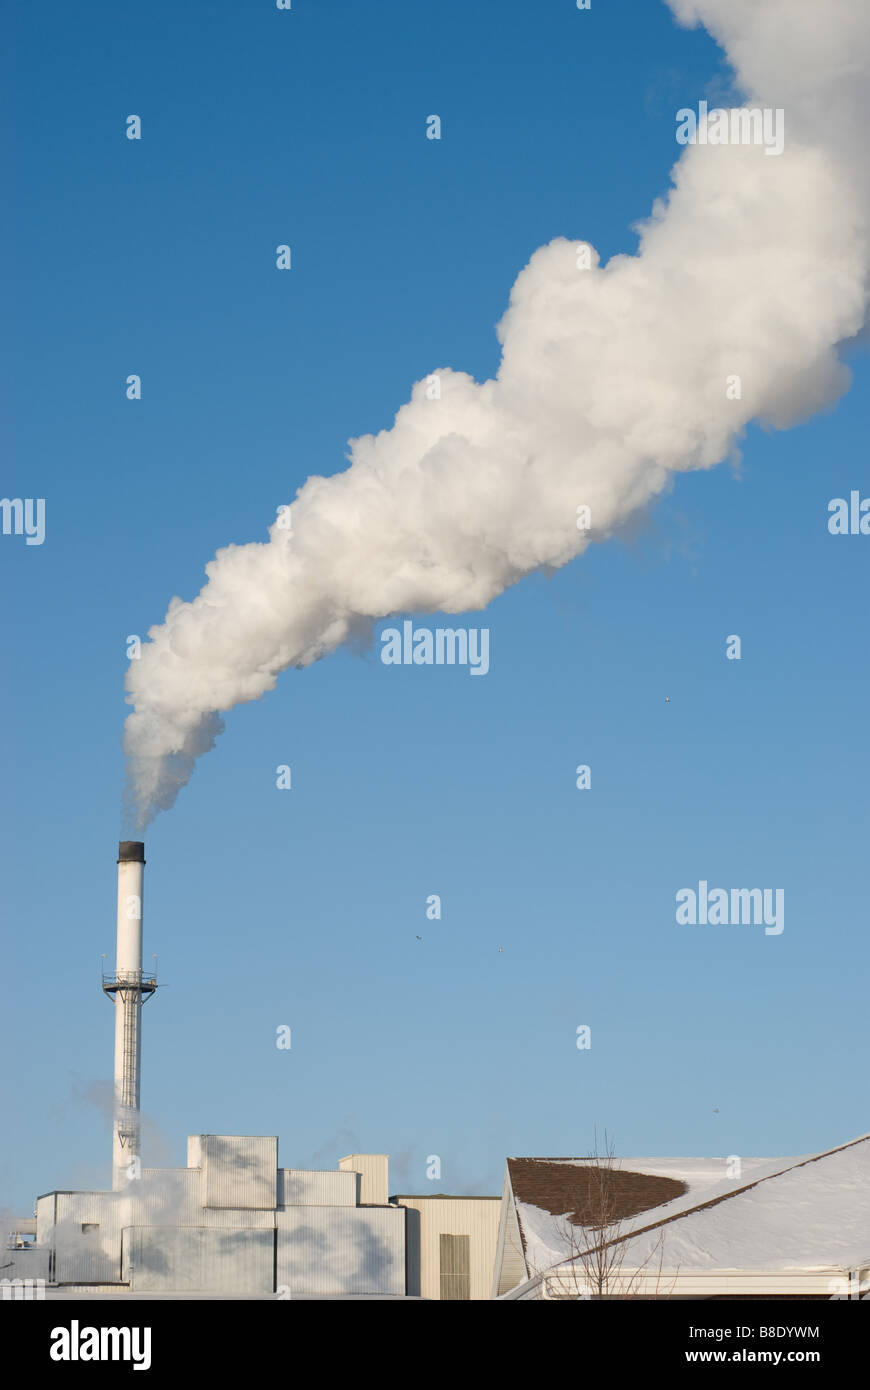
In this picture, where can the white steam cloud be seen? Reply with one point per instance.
(612, 379)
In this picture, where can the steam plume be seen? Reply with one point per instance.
(612, 380)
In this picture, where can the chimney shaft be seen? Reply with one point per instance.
(131, 883)
(129, 986)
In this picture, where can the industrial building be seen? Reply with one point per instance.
(233, 1223)
(450, 1243)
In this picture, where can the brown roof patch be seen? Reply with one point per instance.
(587, 1193)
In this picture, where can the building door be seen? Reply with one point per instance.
(455, 1267)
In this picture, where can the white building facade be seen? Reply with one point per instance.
(231, 1222)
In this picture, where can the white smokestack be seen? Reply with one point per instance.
(129, 986)
(613, 379)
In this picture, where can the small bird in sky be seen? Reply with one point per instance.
(500, 948)
(667, 699)
(419, 938)
(716, 1111)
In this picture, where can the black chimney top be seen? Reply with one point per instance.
(131, 849)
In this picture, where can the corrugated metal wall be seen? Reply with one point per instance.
(237, 1216)
(239, 1170)
(45, 1219)
(511, 1265)
(199, 1259)
(298, 1187)
(374, 1179)
(166, 1197)
(324, 1250)
(87, 1237)
(29, 1263)
(476, 1217)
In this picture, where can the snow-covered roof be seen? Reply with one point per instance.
(788, 1213)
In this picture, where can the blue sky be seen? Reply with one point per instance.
(303, 907)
